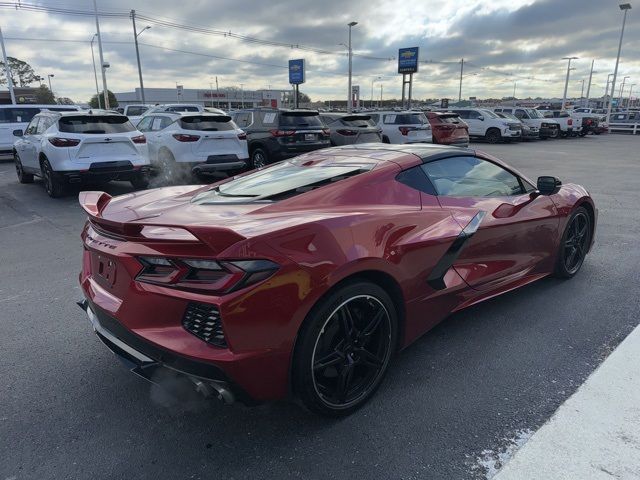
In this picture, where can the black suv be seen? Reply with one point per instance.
(274, 135)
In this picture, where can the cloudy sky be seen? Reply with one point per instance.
(504, 41)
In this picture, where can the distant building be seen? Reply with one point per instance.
(225, 99)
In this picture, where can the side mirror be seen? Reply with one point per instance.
(18, 133)
(481, 118)
(548, 185)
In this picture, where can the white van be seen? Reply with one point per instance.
(17, 117)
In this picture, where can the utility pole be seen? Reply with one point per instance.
(566, 82)
(589, 84)
(624, 7)
(95, 73)
(218, 92)
(104, 73)
(460, 89)
(135, 39)
(350, 97)
(7, 70)
(515, 83)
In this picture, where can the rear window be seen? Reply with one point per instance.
(183, 108)
(18, 114)
(358, 121)
(405, 119)
(95, 124)
(136, 111)
(450, 118)
(283, 180)
(296, 119)
(61, 109)
(207, 123)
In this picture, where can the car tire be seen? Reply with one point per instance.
(53, 186)
(555, 133)
(493, 135)
(259, 158)
(334, 372)
(574, 244)
(22, 176)
(140, 181)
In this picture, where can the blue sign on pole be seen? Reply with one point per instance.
(408, 60)
(296, 71)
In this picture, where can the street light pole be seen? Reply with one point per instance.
(95, 73)
(372, 82)
(630, 90)
(460, 88)
(104, 73)
(7, 70)
(135, 39)
(50, 76)
(624, 80)
(350, 97)
(625, 7)
(606, 92)
(589, 84)
(566, 81)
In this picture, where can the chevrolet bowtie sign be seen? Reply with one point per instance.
(296, 71)
(408, 60)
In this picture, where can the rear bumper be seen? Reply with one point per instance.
(150, 362)
(103, 174)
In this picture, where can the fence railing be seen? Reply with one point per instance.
(632, 128)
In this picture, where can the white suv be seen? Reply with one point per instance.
(72, 147)
(403, 127)
(487, 125)
(200, 142)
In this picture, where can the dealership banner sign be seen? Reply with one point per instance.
(408, 60)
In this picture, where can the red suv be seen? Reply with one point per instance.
(448, 129)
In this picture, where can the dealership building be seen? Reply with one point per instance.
(225, 99)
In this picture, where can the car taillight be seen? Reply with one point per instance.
(405, 130)
(139, 139)
(347, 133)
(64, 142)
(204, 275)
(242, 136)
(182, 137)
(282, 133)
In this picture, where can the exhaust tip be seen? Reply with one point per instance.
(83, 304)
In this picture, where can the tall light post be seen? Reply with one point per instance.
(242, 94)
(95, 73)
(515, 84)
(372, 82)
(50, 76)
(102, 64)
(589, 84)
(624, 80)
(136, 34)
(630, 90)
(625, 7)
(581, 90)
(566, 82)
(7, 70)
(350, 97)
(606, 91)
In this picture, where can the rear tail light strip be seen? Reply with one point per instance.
(183, 137)
(139, 139)
(64, 142)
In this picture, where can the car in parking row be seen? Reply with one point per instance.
(84, 146)
(403, 126)
(348, 129)
(448, 129)
(527, 132)
(547, 127)
(485, 124)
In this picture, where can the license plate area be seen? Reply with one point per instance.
(310, 137)
(104, 269)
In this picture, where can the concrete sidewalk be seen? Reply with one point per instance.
(595, 434)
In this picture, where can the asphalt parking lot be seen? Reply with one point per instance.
(483, 377)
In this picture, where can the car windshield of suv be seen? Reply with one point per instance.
(207, 123)
(299, 119)
(283, 180)
(533, 113)
(488, 113)
(96, 124)
(510, 116)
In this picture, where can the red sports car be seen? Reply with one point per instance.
(304, 278)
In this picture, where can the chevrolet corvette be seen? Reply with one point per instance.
(302, 279)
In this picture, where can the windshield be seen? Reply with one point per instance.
(297, 120)
(96, 124)
(282, 180)
(489, 113)
(510, 116)
(533, 113)
(405, 119)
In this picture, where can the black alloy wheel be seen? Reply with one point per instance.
(22, 176)
(493, 135)
(345, 352)
(52, 185)
(259, 158)
(575, 244)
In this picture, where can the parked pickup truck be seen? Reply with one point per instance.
(548, 128)
(569, 127)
